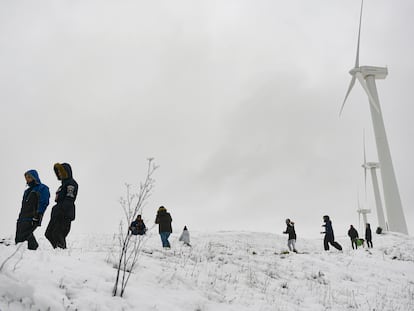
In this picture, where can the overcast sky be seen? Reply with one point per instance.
(237, 101)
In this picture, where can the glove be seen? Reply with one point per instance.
(37, 220)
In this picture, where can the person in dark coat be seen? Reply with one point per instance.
(138, 227)
(164, 220)
(368, 235)
(353, 234)
(63, 213)
(329, 235)
(34, 203)
(290, 230)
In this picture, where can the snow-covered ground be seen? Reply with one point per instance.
(222, 271)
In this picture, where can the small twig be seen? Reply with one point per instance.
(11, 256)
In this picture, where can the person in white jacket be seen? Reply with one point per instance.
(185, 236)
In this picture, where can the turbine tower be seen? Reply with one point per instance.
(363, 212)
(367, 75)
(373, 166)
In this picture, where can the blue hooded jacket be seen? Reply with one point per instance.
(41, 189)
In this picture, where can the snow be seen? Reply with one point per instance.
(221, 271)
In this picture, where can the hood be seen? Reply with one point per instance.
(64, 169)
(162, 210)
(34, 174)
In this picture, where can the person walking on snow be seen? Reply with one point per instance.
(34, 203)
(164, 220)
(368, 235)
(353, 234)
(185, 236)
(63, 213)
(329, 235)
(290, 230)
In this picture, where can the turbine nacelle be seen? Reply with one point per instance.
(371, 165)
(361, 73)
(365, 71)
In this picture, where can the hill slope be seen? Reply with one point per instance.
(222, 271)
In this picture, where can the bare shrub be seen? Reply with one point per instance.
(130, 246)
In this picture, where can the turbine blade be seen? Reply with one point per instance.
(359, 206)
(365, 167)
(365, 158)
(365, 176)
(359, 36)
(351, 85)
(372, 101)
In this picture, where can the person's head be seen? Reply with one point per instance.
(139, 217)
(326, 218)
(287, 221)
(62, 171)
(32, 177)
(162, 209)
(368, 226)
(352, 227)
(29, 178)
(185, 228)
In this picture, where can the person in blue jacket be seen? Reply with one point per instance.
(63, 213)
(34, 203)
(329, 235)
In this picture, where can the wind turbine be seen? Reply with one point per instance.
(366, 76)
(373, 166)
(363, 212)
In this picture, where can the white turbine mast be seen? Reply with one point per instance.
(372, 167)
(367, 75)
(363, 212)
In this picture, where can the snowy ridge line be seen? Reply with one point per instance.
(221, 271)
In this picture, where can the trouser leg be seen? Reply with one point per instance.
(336, 245)
(163, 240)
(32, 243)
(290, 245)
(167, 236)
(62, 233)
(24, 232)
(49, 234)
(326, 244)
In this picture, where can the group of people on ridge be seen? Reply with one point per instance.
(329, 235)
(356, 241)
(163, 220)
(36, 200)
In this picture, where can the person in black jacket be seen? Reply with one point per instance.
(368, 235)
(164, 220)
(353, 234)
(34, 203)
(63, 213)
(138, 227)
(329, 235)
(290, 230)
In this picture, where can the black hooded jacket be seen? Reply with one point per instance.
(290, 230)
(67, 192)
(352, 233)
(164, 220)
(329, 234)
